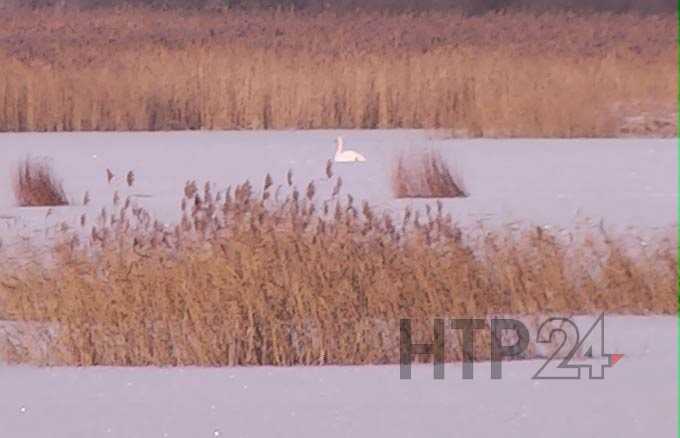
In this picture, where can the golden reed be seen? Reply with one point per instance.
(281, 276)
(513, 74)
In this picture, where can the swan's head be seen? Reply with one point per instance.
(338, 144)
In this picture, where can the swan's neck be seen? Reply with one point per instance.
(338, 145)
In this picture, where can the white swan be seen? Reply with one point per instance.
(346, 156)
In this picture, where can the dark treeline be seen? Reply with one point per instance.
(471, 7)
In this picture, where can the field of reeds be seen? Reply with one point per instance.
(275, 274)
(557, 74)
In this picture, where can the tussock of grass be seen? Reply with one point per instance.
(425, 175)
(35, 185)
(135, 69)
(276, 276)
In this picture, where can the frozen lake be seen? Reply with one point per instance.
(625, 182)
(638, 397)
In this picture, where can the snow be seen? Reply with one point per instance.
(638, 397)
(624, 182)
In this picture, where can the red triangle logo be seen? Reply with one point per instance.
(615, 358)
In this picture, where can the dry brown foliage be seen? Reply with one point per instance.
(425, 175)
(35, 185)
(512, 74)
(277, 276)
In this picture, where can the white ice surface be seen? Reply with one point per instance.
(638, 397)
(625, 182)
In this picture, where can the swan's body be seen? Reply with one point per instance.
(344, 156)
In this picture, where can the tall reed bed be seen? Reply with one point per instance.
(274, 275)
(554, 75)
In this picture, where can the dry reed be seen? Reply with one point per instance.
(35, 185)
(425, 175)
(277, 276)
(562, 75)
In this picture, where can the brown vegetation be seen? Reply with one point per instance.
(512, 74)
(35, 185)
(468, 7)
(279, 277)
(425, 175)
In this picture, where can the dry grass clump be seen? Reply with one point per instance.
(35, 184)
(277, 276)
(425, 175)
(562, 75)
